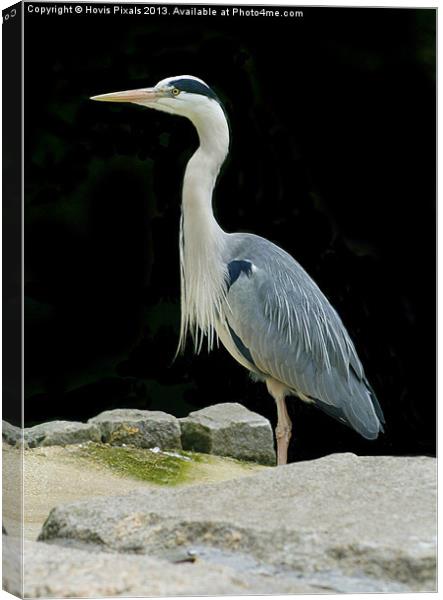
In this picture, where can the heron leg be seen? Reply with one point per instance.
(284, 426)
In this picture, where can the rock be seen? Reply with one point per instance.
(141, 428)
(229, 430)
(61, 433)
(341, 523)
(70, 572)
(11, 434)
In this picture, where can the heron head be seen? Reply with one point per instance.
(183, 95)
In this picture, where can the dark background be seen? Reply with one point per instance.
(332, 157)
(11, 215)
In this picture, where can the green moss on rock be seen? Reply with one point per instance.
(138, 463)
(163, 468)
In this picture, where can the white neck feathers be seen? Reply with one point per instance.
(202, 241)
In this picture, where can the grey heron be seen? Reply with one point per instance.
(250, 294)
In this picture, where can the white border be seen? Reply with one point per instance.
(308, 4)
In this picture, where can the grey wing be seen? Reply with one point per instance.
(279, 319)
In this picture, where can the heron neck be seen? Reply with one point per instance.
(202, 240)
(202, 171)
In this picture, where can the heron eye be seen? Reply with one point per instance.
(175, 92)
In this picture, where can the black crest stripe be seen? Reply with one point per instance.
(193, 86)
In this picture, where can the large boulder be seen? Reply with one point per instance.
(229, 429)
(57, 572)
(141, 428)
(341, 523)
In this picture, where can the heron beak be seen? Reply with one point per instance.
(139, 96)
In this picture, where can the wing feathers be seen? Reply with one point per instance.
(293, 334)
